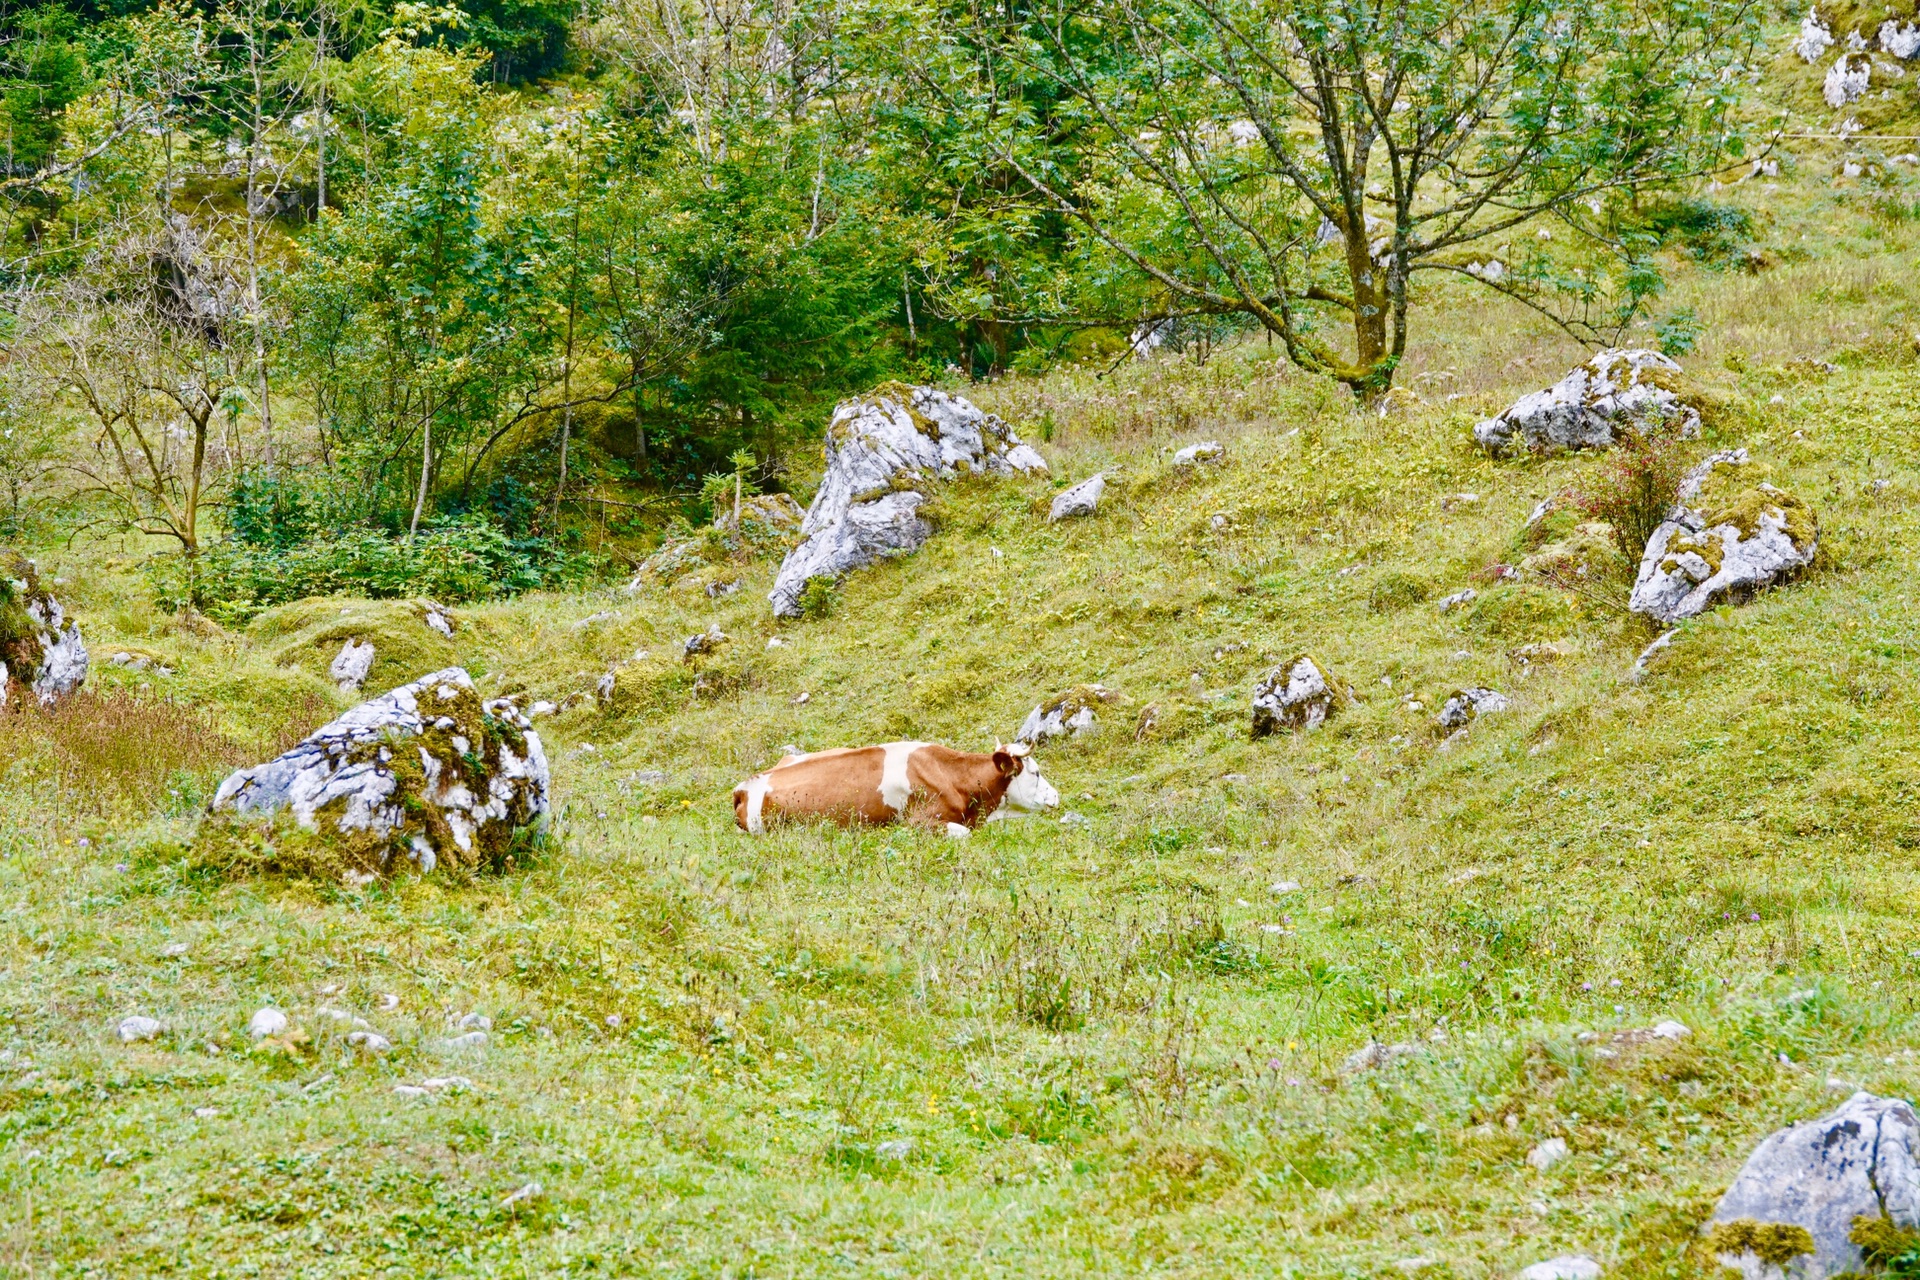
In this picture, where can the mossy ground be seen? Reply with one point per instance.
(1107, 1049)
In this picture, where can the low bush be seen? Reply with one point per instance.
(1635, 487)
(465, 559)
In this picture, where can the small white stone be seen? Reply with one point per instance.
(469, 1040)
(267, 1022)
(1072, 819)
(369, 1042)
(1281, 887)
(138, 1027)
(446, 1084)
(389, 1002)
(1548, 1154)
(205, 1113)
(410, 1091)
(174, 950)
(1569, 1267)
(529, 1192)
(895, 1149)
(1671, 1030)
(472, 1020)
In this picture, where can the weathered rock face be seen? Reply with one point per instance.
(1632, 389)
(426, 774)
(1207, 451)
(883, 451)
(349, 670)
(1081, 500)
(1848, 80)
(1791, 1211)
(1722, 543)
(1297, 694)
(39, 646)
(1072, 713)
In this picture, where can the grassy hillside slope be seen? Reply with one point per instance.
(1109, 1047)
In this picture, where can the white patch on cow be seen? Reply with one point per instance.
(756, 788)
(894, 785)
(958, 831)
(1028, 792)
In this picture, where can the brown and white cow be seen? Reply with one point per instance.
(922, 783)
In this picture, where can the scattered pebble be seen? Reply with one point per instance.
(1547, 1154)
(410, 1091)
(1671, 1030)
(174, 950)
(369, 1042)
(266, 1022)
(139, 1027)
(523, 1195)
(205, 1113)
(469, 1021)
(470, 1040)
(1286, 886)
(1570, 1267)
(1072, 819)
(389, 1002)
(895, 1149)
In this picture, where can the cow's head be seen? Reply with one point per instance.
(1027, 791)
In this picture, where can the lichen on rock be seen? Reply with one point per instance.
(427, 775)
(39, 645)
(1721, 543)
(1632, 388)
(1800, 1198)
(883, 451)
(1298, 694)
(1468, 705)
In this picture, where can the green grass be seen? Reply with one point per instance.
(1110, 1049)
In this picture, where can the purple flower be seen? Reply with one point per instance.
(1586, 986)
(1755, 917)
(1273, 1064)
(119, 866)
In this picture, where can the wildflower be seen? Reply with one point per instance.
(1755, 917)
(1586, 986)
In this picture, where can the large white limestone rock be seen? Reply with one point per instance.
(1807, 1183)
(1297, 694)
(884, 451)
(1721, 543)
(40, 646)
(426, 774)
(1631, 388)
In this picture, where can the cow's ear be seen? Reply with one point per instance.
(1006, 762)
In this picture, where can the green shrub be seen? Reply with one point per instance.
(1711, 233)
(818, 597)
(1680, 332)
(1635, 487)
(459, 560)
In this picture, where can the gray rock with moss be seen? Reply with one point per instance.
(884, 451)
(426, 775)
(1468, 705)
(1792, 1210)
(40, 646)
(1297, 694)
(1632, 388)
(1722, 543)
(1069, 715)
(1081, 500)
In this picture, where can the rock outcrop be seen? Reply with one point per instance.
(349, 669)
(1081, 500)
(1206, 451)
(426, 774)
(40, 647)
(884, 451)
(1631, 389)
(1848, 80)
(1721, 543)
(1793, 1209)
(1297, 694)
(1072, 713)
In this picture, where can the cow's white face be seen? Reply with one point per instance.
(1029, 792)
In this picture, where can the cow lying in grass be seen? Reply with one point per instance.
(921, 783)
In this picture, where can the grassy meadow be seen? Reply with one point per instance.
(1110, 1046)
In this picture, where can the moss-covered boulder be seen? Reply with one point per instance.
(766, 523)
(1297, 694)
(1799, 1203)
(40, 647)
(1631, 389)
(884, 450)
(1723, 541)
(426, 775)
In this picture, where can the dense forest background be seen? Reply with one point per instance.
(318, 297)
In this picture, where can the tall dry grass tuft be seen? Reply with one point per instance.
(116, 749)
